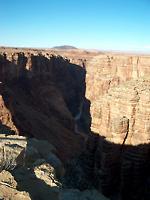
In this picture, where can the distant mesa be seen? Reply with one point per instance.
(66, 47)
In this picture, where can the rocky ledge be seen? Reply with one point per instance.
(30, 169)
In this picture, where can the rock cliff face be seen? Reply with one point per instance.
(40, 97)
(106, 71)
(118, 87)
(43, 96)
(119, 90)
(123, 114)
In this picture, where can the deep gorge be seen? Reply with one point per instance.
(94, 109)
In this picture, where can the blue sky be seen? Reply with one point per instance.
(96, 24)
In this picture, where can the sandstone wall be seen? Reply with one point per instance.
(124, 112)
(106, 71)
(119, 89)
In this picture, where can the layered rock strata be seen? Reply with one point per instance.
(123, 114)
(107, 71)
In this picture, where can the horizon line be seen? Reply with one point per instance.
(79, 48)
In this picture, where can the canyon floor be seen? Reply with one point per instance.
(74, 125)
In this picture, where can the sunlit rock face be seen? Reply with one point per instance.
(124, 113)
(106, 71)
(119, 90)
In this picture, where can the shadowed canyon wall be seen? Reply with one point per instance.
(40, 97)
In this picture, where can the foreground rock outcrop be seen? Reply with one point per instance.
(8, 188)
(33, 164)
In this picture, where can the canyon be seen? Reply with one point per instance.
(85, 114)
